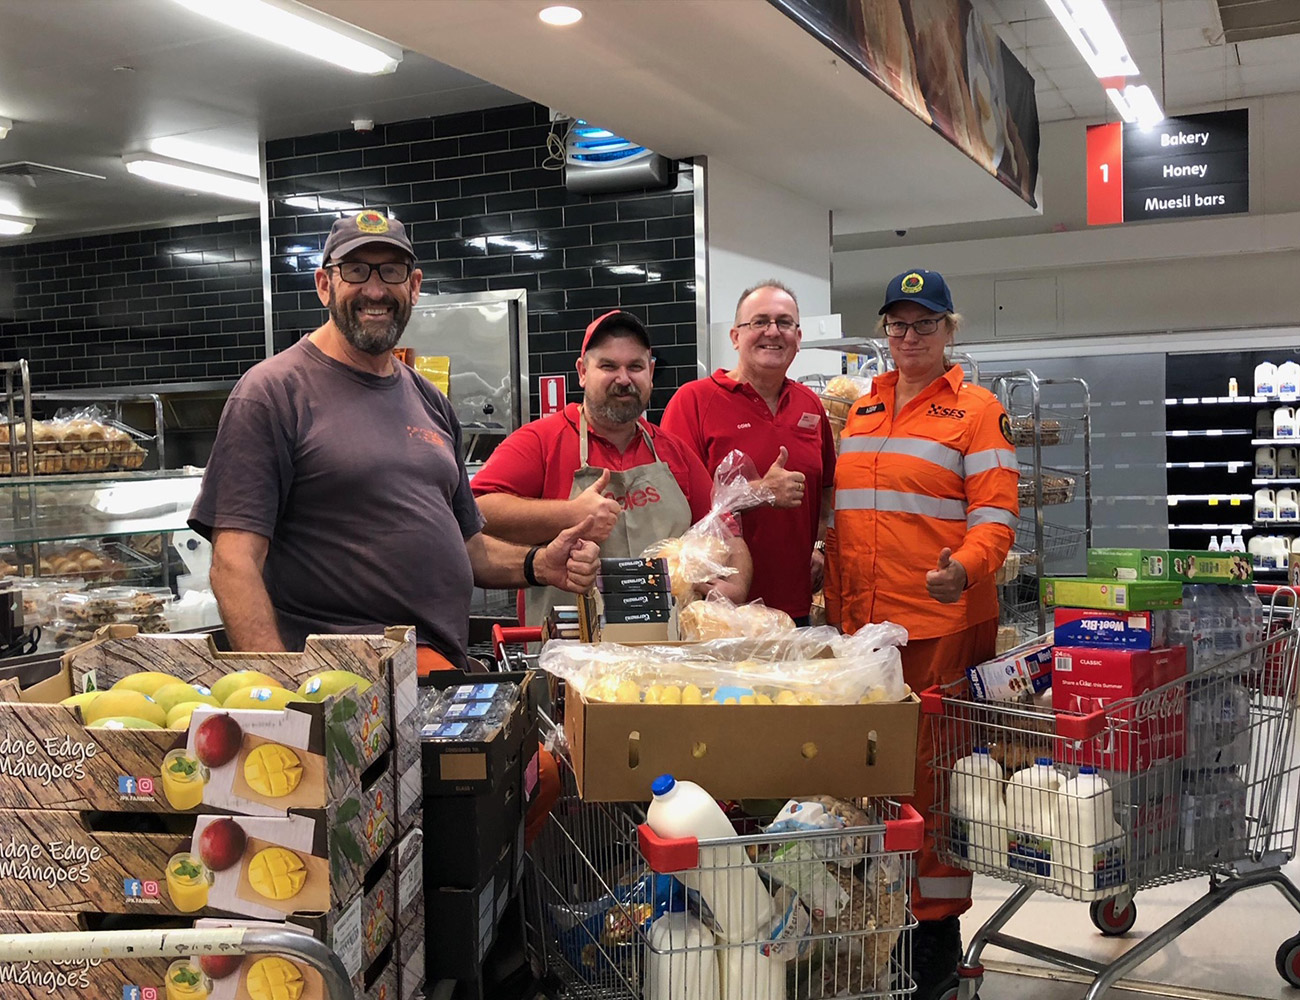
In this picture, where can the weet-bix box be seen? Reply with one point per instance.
(1111, 629)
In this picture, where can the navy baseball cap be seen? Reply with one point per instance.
(615, 321)
(926, 288)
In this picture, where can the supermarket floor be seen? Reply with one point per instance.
(1229, 954)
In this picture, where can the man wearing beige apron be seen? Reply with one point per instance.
(601, 459)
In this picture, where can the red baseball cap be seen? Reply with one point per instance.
(615, 321)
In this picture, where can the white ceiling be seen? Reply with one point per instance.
(1188, 66)
(734, 79)
(74, 107)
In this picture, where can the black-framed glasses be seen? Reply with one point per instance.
(758, 324)
(358, 272)
(897, 329)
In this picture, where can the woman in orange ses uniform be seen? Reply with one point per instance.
(925, 508)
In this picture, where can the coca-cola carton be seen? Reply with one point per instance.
(1132, 737)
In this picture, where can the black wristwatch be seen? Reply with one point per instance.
(530, 574)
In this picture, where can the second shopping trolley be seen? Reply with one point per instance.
(1193, 778)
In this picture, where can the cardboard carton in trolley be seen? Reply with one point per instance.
(1133, 737)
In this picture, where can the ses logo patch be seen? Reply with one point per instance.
(945, 411)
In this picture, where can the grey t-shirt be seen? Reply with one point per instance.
(357, 481)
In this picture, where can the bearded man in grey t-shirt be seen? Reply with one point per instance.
(336, 499)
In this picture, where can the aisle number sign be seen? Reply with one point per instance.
(1187, 167)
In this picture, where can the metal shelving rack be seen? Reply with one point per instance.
(1040, 541)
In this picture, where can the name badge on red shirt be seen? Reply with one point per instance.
(809, 420)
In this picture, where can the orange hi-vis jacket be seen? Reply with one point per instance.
(940, 474)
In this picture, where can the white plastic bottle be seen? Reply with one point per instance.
(1031, 816)
(1266, 462)
(1266, 379)
(748, 974)
(1288, 463)
(1232, 388)
(681, 963)
(1288, 506)
(1092, 843)
(975, 799)
(1288, 380)
(726, 879)
(1284, 422)
(1265, 505)
(1214, 543)
(1264, 424)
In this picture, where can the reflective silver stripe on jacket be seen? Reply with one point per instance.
(949, 887)
(986, 461)
(893, 501)
(928, 451)
(991, 515)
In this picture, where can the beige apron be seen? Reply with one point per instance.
(636, 529)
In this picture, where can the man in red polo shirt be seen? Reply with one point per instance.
(601, 459)
(782, 426)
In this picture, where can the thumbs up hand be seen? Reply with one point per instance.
(787, 486)
(947, 582)
(599, 511)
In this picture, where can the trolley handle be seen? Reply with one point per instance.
(501, 637)
(180, 943)
(666, 855)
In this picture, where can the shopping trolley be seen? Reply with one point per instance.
(826, 910)
(1201, 780)
(180, 943)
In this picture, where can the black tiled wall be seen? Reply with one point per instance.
(159, 305)
(483, 215)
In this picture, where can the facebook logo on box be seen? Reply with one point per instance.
(128, 785)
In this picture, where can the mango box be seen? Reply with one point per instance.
(409, 958)
(247, 761)
(254, 866)
(1181, 565)
(742, 751)
(1108, 594)
(215, 977)
(409, 860)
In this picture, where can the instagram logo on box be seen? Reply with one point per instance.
(1133, 738)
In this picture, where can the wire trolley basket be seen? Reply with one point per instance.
(617, 912)
(1195, 777)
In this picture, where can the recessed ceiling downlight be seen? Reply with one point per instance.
(560, 16)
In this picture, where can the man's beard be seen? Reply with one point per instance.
(618, 408)
(369, 340)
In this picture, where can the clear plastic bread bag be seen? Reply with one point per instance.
(701, 553)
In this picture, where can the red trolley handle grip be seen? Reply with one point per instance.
(666, 855)
(501, 637)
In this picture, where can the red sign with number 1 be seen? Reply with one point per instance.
(1105, 174)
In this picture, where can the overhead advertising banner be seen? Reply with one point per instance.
(1183, 168)
(944, 64)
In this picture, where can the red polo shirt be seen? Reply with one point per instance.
(538, 462)
(715, 415)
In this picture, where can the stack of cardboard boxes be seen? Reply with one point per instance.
(289, 817)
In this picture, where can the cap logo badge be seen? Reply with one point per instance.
(372, 222)
(913, 283)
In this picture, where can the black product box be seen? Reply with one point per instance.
(636, 616)
(474, 766)
(461, 924)
(656, 583)
(633, 567)
(620, 603)
(466, 835)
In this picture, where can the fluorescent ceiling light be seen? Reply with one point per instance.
(560, 16)
(179, 148)
(1089, 25)
(16, 225)
(1136, 105)
(5, 126)
(304, 30)
(192, 177)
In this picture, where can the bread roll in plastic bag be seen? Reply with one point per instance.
(716, 617)
(701, 553)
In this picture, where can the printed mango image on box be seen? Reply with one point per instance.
(242, 977)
